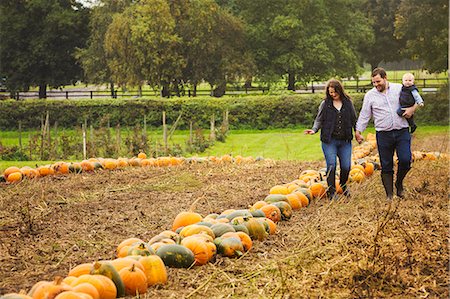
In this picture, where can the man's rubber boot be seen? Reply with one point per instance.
(388, 183)
(401, 173)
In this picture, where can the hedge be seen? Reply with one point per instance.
(249, 112)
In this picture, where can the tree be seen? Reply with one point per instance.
(385, 46)
(304, 40)
(39, 38)
(424, 24)
(93, 58)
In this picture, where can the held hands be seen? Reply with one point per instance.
(359, 137)
(309, 132)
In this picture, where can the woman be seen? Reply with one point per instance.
(336, 119)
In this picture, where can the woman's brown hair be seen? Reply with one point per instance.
(337, 85)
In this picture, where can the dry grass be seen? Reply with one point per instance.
(362, 247)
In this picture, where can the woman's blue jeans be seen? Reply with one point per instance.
(343, 150)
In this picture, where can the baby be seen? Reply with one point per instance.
(408, 97)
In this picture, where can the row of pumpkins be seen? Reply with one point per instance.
(194, 240)
(14, 174)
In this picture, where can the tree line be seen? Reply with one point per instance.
(173, 44)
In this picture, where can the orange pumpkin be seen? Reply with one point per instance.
(294, 201)
(87, 288)
(127, 242)
(369, 168)
(142, 155)
(29, 172)
(105, 286)
(125, 262)
(134, 279)
(257, 205)
(48, 289)
(201, 251)
(10, 170)
(186, 218)
(318, 190)
(14, 177)
(45, 170)
(81, 269)
(272, 212)
(154, 269)
(303, 198)
(73, 295)
(247, 242)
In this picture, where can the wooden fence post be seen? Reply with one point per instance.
(20, 135)
(83, 128)
(164, 132)
(55, 146)
(92, 151)
(212, 134)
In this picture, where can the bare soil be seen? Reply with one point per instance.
(352, 248)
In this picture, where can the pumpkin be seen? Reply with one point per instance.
(122, 162)
(279, 189)
(294, 201)
(81, 269)
(220, 228)
(271, 226)
(29, 172)
(14, 177)
(171, 235)
(87, 166)
(154, 269)
(87, 288)
(48, 289)
(369, 168)
(186, 218)
(258, 213)
(247, 242)
(202, 253)
(110, 164)
(75, 168)
(229, 247)
(285, 209)
(240, 227)
(275, 197)
(272, 212)
(357, 175)
(45, 170)
(194, 229)
(306, 191)
(124, 262)
(10, 170)
(177, 256)
(256, 229)
(134, 279)
(73, 295)
(142, 155)
(105, 286)
(140, 249)
(108, 270)
(318, 190)
(303, 198)
(156, 245)
(238, 213)
(257, 205)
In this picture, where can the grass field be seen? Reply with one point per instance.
(279, 144)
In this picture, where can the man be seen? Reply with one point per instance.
(382, 103)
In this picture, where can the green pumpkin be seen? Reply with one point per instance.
(208, 224)
(108, 270)
(271, 198)
(285, 208)
(229, 247)
(176, 256)
(257, 213)
(239, 213)
(142, 249)
(220, 228)
(241, 228)
(2, 179)
(256, 229)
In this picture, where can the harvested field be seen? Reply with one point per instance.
(352, 248)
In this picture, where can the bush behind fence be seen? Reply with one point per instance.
(251, 112)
